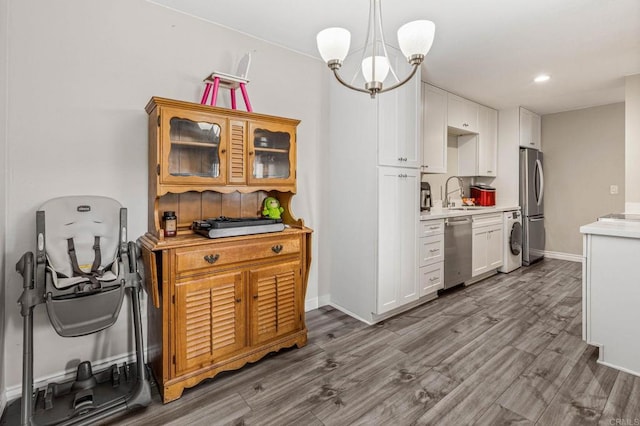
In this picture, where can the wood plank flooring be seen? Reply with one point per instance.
(507, 350)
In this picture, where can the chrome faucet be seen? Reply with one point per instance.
(446, 190)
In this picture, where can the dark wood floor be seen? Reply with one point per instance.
(507, 350)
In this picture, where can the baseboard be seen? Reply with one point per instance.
(3, 402)
(311, 304)
(632, 208)
(351, 314)
(563, 256)
(324, 300)
(15, 392)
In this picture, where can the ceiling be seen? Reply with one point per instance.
(488, 51)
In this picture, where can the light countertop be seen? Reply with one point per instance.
(444, 213)
(625, 229)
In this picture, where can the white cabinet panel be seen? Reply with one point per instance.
(487, 141)
(431, 278)
(431, 227)
(478, 154)
(431, 250)
(397, 230)
(399, 123)
(434, 129)
(462, 114)
(530, 129)
(487, 243)
(479, 246)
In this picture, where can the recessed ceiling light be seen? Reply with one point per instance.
(541, 78)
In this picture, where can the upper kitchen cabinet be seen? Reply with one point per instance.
(530, 129)
(478, 154)
(434, 129)
(194, 147)
(398, 123)
(462, 115)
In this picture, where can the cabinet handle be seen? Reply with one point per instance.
(212, 258)
(277, 248)
(434, 250)
(433, 279)
(222, 151)
(434, 227)
(465, 125)
(255, 296)
(250, 152)
(238, 300)
(402, 158)
(489, 171)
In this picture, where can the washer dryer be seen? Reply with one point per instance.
(512, 230)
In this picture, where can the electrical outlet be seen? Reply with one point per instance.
(613, 189)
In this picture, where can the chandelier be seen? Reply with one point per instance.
(414, 38)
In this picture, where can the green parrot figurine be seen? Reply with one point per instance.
(272, 208)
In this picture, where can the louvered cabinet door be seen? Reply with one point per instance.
(237, 153)
(275, 300)
(209, 320)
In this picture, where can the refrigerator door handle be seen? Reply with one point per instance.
(540, 193)
(537, 219)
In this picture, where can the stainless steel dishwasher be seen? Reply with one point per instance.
(457, 250)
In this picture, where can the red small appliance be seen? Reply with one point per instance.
(485, 195)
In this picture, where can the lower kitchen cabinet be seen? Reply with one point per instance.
(397, 283)
(487, 243)
(431, 252)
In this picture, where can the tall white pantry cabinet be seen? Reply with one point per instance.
(374, 177)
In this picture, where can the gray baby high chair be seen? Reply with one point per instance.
(82, 266)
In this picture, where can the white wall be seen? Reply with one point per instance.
(584, 154)
(4, 20)
(80, 74)
(632, 143)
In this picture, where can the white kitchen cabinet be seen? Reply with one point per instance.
(372, 231)
(397, 230)
(478, 154)
(399, 124)
(434, 129)
(487, 243)
(431, 257)
(431, 278)
(462, 117)
(530, 129)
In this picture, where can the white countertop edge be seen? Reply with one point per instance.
(626, 229)
(444, 213)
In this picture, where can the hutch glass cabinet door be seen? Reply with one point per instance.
(271, 153)
(193, 148)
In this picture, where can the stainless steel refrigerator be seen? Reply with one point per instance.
(532, 204)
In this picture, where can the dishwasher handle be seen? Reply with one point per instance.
(457, 221)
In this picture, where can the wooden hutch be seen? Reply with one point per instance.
(216, 304)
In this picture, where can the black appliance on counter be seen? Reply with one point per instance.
(425, 196)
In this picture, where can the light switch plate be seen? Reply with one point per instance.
(613, 189)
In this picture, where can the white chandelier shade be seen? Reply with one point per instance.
(333, 43)
(381, 71)
(414, 38)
